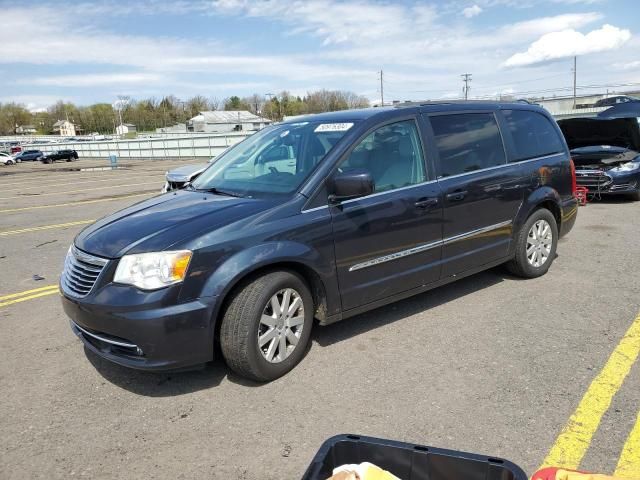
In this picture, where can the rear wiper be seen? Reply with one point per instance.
(218, 191)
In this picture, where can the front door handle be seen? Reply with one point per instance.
(456, 196)
(426, 203)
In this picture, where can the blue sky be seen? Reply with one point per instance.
(94, 51)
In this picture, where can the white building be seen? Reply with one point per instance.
(125, 128)
(64, 128)
(226, 121)
(26, 130)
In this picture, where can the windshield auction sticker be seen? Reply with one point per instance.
(333, 127)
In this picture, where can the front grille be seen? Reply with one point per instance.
(81, 271)
(593, 179)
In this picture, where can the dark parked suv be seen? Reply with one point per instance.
(30, 155)
(68, 155)
(322, 217)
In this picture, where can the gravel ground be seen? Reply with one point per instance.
(490, 364)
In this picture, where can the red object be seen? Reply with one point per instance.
(16, 149)
(545, 474)
(554, 473)
(581, 195)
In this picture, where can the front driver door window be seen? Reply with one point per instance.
(392, 154)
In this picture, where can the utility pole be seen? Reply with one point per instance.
(381, 89)
(575, 62)
(466, 78)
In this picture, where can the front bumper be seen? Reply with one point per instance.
(152, 336)
(608, 182)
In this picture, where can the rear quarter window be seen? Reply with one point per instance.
(533, 134)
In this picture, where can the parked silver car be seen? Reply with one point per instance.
(178, 178)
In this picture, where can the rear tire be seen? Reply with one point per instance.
(251, 319)
(535, 245)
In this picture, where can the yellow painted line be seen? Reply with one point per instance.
(28, 292)
(44, 227)
(574, 440)
(65, 192)
(629, 461)
(82, 202)
(81, 181)
(30, 297)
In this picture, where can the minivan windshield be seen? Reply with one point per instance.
(276, 160)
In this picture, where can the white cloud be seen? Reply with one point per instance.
(567, 43)
(542, 25)
(472, 11)
(343, 43)
(93, 80)
(627, 65)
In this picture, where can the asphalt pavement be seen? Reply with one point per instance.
(490, 364)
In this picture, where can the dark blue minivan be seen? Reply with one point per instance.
(319, 218)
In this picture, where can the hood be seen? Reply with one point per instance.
(184, 173)
(603, 156)
(158, 223)
(587, 132)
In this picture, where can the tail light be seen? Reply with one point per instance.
(574, 181)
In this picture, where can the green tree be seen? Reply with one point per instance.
(12, 115)
(235, 103)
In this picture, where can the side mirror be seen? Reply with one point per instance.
(352, 184)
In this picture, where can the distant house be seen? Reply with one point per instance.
(64, 128)
(125, 128)
(226, 121)
(26, 130)
(177, 128)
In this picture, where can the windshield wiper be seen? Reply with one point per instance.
(218, 191)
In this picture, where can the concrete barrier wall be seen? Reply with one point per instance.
(205, 146)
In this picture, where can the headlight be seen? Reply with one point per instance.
(150, 271)
(627, 167)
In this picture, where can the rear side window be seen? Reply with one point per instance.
(533, 134)
(467, 142)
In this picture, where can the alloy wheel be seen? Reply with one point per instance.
(281, 325)
(539, 243)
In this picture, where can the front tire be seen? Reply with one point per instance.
(267, 325)
(535, 245)
(635, 196)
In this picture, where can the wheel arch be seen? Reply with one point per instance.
(541, 198)
(228, 278)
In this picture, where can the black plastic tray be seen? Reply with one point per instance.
(409, 462)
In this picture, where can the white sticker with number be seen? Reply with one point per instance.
(333, 127)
